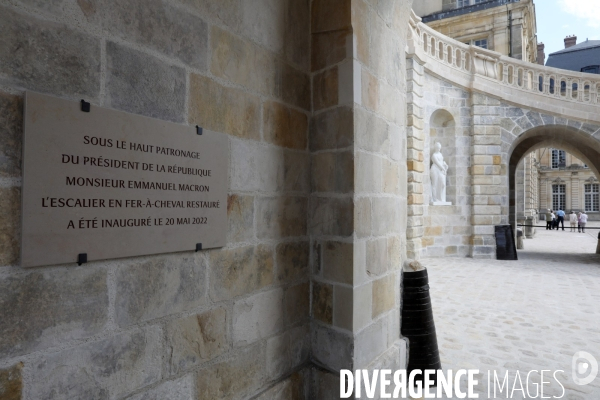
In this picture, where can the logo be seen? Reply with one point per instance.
(585, 368)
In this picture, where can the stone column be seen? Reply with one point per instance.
(517, 40)
(544, 194)
(520, 205)
(568, 194)
(331, 210)
(380, 120)
(488, 171)
(357, 216)
(415, 156)
(530, 186)
(576, 202)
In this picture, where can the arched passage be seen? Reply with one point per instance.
(577, 142)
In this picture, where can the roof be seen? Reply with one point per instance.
(579, 46)
(576, 57)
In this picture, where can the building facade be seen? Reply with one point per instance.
(505, 26)
(566, 182)
(489, 112)
(548, 177)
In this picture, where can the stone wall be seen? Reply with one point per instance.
(526, 187)
(520, 190)
(222, 324)
(380, 180)
(438, 111)
(313, 97)
(332, 184)
(358, 249)
(448, 120)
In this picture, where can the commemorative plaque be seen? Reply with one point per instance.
(100, 183)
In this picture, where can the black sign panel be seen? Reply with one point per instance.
(505, 243)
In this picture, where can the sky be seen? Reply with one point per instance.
(557, 19)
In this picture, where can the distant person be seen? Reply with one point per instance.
(584, 219)
(560, 219)
(573, 220)
(549, 220)
(579, 222)
(554, 224)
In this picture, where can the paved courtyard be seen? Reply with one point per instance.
(531, 314)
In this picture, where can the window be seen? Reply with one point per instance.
(592, 197)
(559, 197)
(481, 43)
(592, 69)
(559, 159)
(464, 3)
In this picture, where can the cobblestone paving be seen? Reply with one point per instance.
(531, 314)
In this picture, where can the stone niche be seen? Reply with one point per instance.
(442, 129)
(447, 228)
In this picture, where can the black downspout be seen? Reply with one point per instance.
(510, 34)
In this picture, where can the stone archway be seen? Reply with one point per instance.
(572, 139)
(502, 135)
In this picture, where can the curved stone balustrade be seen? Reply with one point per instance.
(545, 88)
(513, 107)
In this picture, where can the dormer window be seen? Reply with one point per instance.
(591, 69)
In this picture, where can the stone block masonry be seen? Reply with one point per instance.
(415, 161)
(52, 57)
(467, 126)
(356, 267)
(312, 97)
(129, 72)
(191, 325)
(440, 112)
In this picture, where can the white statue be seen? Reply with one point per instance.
(438, 171)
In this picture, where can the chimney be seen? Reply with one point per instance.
(570, 41)
(541, 56)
